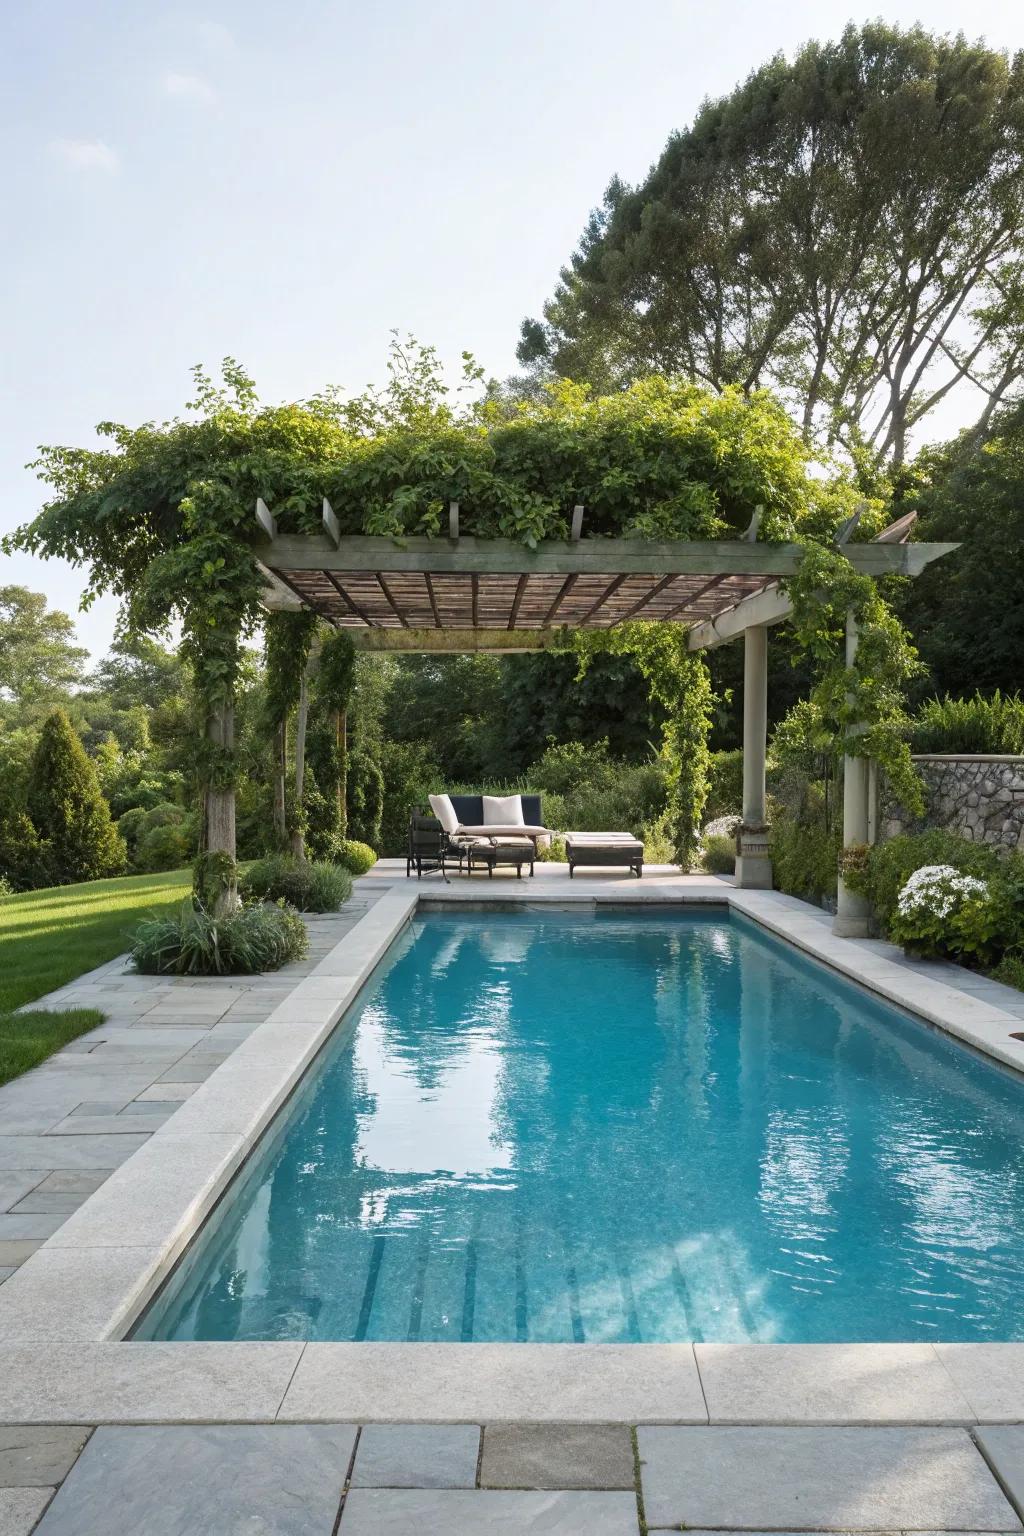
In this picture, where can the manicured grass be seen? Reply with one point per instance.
(26, 1039)
(49, 937)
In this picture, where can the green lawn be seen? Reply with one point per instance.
(26, 1039)
(49, 937)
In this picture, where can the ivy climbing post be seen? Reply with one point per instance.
(753, 864)
(853, 910)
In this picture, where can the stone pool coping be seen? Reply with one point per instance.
(64, 1313)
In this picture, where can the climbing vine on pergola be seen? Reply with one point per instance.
(663, 503)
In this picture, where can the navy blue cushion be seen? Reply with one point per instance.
(470, 810)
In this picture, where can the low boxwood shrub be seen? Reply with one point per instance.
(191, 942)
(354, 856)
(309, 887)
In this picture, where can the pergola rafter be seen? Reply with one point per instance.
(716, 589)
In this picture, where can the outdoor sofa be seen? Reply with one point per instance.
(478, 831)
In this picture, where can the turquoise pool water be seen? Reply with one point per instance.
(621, 1128)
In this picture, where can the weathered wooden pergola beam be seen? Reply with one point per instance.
(445, 642)
(594, 556)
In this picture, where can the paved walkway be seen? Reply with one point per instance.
(66, 1126)
(504, 1479)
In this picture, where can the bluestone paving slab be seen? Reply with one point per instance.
(39, 1456)
(81, 1181)
(431, 1383)
(205, 1480)
(168, 1091)
(557, 1456)
(17, 1152)
(21, 1225)
(990, 1376)
(165, 1190)
(76, 1294)
(417, 1456)
(828, 1383)
(42, 1202)
(104, 1125)
(52, 1383)
(15, 1186)
(6, 1271)
(20, 1508)
(484, 1512)
(1003, 1447)
(15, 1251)
(819, 1479)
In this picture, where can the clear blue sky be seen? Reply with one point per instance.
(285, 182)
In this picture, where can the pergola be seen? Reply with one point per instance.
(456, 594)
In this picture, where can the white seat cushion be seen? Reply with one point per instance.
(443, 809)
(508, 830)
(503, 810)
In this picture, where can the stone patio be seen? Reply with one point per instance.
(438, 1480)
(66, 1126)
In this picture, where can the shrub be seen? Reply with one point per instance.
(805, 843)
(658, 841)
(314, 887)
(365, 799)
(941, 911)
(718, 854)
(982, 724)
(890, 865)
(24, 860)
(6, 888)
(356, 857)
(1010, 970)
(67, 808)
(805, 858)
(725, 793)
(192, 943)
(159, 837)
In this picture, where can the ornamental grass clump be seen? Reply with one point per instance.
(192, 942)
(309, 887)
(941, 910)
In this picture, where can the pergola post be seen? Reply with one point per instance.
(753, 864)
(852, 909)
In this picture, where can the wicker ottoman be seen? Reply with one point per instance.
(616, 850)
(485, 853)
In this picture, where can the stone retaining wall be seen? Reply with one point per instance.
(982, 798)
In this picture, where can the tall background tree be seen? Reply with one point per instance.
(38, 656)
(844, 228)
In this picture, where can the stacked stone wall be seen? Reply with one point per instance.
(982, 798)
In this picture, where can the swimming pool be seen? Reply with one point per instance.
(620, 1127)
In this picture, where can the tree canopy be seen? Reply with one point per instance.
(844, 227)
(967, 613)
(38, 657)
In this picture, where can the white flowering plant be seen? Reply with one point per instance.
(942, 911)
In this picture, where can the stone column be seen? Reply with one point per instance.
(753, 864)
(851, 919)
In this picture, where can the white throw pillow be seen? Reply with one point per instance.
(443, 809)
(503, 811)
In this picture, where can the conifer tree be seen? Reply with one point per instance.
(68, 809)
